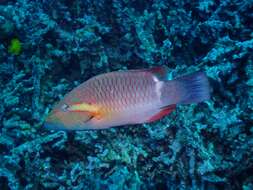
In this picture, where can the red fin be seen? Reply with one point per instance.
(160, 72)
(162, 113)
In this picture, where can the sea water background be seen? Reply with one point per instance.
(64, 42)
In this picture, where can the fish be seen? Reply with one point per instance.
(126, 98)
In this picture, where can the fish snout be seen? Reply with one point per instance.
(52, 123)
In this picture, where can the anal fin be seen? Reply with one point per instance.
(163, 112)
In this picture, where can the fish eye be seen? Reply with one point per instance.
(65, 107)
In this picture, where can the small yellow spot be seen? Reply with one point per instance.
(15, 46)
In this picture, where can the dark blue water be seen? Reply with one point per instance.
(49, 47)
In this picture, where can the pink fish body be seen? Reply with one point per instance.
(126, 97)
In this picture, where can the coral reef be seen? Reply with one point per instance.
(204, 146)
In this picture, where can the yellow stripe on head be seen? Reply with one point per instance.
(84, 107)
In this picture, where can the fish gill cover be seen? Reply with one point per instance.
(203, 146)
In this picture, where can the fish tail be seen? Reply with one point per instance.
(192, 88)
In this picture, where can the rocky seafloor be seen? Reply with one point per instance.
(61, 43)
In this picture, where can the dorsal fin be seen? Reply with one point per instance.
(164, 111)
(161, 72)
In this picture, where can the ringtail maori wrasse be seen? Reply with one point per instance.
(126, 97)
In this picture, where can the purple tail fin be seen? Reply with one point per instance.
(192, 88)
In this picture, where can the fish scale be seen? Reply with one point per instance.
(133, 90)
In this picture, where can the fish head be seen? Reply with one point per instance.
(62, 117)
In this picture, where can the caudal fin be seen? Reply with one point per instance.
(192, 88)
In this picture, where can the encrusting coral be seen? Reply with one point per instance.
(204, 146)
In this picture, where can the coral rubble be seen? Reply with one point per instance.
(204, 146)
